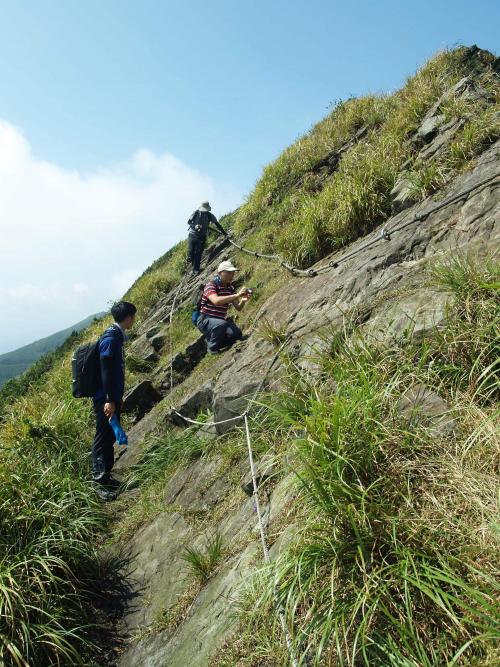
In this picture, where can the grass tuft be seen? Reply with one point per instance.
(203, 562)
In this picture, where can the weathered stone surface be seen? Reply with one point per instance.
(197, 401)
(143, 349)
(182, 364)
(264, 469)
(160, 574)
(422, 406)
(207, 625)
(138, 437)
(158, 341)
(441, 140)
(402, 194)
(429, 127)
(141, 398)
(413, 314)
(387, 285)
(153, 331)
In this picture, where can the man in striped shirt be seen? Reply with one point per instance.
(219, 294)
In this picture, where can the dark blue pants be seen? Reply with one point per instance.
(103, 456)
(195, 249)
(218, 332)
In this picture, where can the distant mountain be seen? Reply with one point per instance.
(16, 362)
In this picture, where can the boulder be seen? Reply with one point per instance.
(420, 405)
(141, 398)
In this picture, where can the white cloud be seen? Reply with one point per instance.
(72, 242)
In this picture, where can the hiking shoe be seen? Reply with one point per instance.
(106, 494)
(110, 482)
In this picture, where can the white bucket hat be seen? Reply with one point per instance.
(226, 266)
(205, 206)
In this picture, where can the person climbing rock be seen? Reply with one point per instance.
(107, 399)
(199, 224)
(219, 294)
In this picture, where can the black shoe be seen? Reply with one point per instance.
(106, 494)
(107, 481)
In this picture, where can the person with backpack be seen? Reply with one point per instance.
(108, 396)
(218, 295)
(199, 224)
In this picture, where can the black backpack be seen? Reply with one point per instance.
(201, 218)
(85, 370)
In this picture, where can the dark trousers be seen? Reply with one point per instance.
(103, 456)
(195, 251)
(218, 332)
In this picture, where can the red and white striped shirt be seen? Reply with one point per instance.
(210, 309)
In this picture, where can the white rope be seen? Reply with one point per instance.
(212, 423)
(265, 550)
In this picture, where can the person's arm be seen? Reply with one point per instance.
(106, 363)
(240, 304)
(217, 300)
(215, 223)
(190, 222)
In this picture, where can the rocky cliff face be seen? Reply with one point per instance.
(168, 620)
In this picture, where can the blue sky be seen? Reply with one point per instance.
(131, 92)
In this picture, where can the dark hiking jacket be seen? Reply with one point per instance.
(203, 220)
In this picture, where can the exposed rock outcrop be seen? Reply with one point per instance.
(384, 287)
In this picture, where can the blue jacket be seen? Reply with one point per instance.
(112, 358)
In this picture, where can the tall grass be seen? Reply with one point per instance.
(303, 210)
(397, 557)
(49, 518)
(203, 562)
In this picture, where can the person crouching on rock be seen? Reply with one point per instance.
(108, 397)
(218, 295)
(199, 224)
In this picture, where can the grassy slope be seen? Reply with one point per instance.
(398, 549)
(48, 515)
